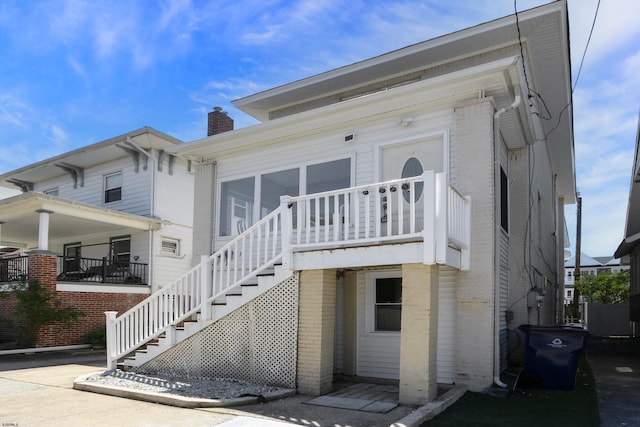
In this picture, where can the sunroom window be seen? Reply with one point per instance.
(236, 213)
(238, 197)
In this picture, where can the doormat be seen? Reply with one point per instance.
(360, 397)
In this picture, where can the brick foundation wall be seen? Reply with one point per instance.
(93, 304)
(43, 267)
(8, 330)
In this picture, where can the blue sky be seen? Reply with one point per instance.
(77, 72)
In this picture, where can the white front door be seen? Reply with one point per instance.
(405, 160)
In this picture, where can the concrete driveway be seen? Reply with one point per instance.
(616, 368)
(36, 390)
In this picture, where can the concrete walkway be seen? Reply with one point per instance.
(36, 390)
(616, 367)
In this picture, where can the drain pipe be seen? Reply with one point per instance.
(496, 254)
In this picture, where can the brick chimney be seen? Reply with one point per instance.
(219, 122)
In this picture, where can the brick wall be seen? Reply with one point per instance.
(8, 330)
(316, 331)
(474, 152)
(93, 304)
(42, 267)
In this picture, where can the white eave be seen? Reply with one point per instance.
(19, 216)
(89, 155)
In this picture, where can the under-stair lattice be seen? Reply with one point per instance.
(257, 343)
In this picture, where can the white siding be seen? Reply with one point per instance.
(378, 352)
(447, 315)
(135, 186)
(319, 148)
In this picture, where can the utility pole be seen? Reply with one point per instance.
(576, 273)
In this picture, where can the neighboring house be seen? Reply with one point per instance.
(629, 249)
(589, 266)
(115, 217)
(391, 219)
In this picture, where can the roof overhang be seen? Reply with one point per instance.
(632, 227)
(20, 216)
(448, 88)
(543, 35)
(145, 138)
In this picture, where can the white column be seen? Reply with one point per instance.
(1, 222)
(43, 230)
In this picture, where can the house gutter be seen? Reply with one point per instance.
(496, 256)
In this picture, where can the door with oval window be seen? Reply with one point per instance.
(405, 160)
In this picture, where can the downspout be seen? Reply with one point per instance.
(496, 255)
(152, 207)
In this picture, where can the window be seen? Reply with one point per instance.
(236, 214)
(328, 176)
(238, 197)
(412, 168)
(274, 185)
(170, 246)
(120, 250)
(72, 257)
(113, 187)
(504, 201)
(388, 304)
(51, 191)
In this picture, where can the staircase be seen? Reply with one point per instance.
(243, 269)
(262, 256)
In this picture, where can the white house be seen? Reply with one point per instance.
(589, 266)
(393, 219)
(629, 248)
(116, 214)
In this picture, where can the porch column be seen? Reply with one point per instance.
(43, 230)
(316, 331)
(419, 337)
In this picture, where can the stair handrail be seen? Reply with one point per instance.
(195, 290)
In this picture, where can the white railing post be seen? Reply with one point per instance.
(286, 223)
(428, 233)
(205, 287)
(110, 325)
(465, 258)
(442, 218)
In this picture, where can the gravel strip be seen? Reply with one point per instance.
(198, 387)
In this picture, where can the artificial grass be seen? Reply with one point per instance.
(528, 406)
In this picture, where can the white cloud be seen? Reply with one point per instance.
(12, 110)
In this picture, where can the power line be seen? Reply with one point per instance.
(575, 84)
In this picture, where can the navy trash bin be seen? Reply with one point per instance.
(552, 354)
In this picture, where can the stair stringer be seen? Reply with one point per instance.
(220, 308)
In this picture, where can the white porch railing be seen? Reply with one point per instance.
(424, 208)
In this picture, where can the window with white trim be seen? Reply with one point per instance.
(387, 307)
(244, 201)
(170, 247)
(113, 187)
